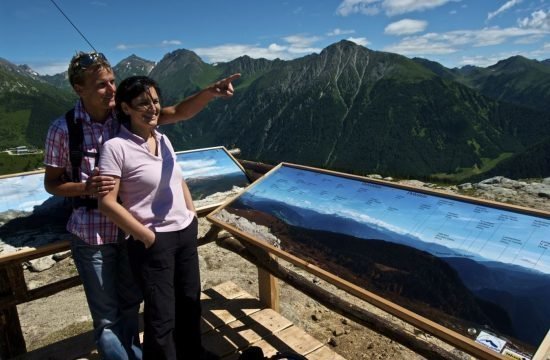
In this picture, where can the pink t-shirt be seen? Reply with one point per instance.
(150, 186)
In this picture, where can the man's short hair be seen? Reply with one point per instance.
(83, 61)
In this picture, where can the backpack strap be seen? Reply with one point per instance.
(76, 138)
(76, 154)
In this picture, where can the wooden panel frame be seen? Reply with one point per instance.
(450, 336)
(210, 207)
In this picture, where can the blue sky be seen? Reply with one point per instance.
(452, 32)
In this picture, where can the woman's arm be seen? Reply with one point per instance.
(110, 207)
(187, 197)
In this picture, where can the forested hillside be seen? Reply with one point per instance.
(347, 108)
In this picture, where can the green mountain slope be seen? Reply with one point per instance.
(362, 111)
(348, 108)
(27, 107)
(517, 80)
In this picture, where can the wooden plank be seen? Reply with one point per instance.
(40, 292)
(227, 302)
(543, 352)
(249, 330)
(270, 320)
(226, 290)
(30, 253)
(290, 339)
(324, 353)
(6, 176)
(219, 343)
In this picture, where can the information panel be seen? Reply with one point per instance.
(468, 265)
(30, 216)
(212, 175)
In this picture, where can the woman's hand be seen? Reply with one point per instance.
(149, 239)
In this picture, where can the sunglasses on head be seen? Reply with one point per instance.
(85, 60)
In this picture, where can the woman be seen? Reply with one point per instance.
(157, 213)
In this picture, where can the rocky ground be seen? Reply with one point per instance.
(66, 313)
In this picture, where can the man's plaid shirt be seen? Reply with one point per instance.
(89, 225)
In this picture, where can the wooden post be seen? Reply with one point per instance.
(12, 342)
(268, 288)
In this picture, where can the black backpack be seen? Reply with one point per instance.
(256, 353)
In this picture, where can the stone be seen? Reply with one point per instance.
(62, 255)
(41, 264)
(338, 331)
(465, 186)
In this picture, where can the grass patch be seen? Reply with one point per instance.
(12, 164)
(464, 173)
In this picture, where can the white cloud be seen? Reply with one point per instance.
(396, 7)
(337, 32)
(297, 45)
(484, 61)
(170, 42)
(542, 53)
(228, 52)
(539, 20)
(301, 41)
(507, 6)
(276, 48)
(391, 7)
(529, 39)
(162, 44)
(453, 41)
(406, 27)
(50, 68)
(429, 44)
(366, 7)
(359, 41)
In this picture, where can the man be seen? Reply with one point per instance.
(101, 260)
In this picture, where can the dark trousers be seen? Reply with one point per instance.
(168, 273)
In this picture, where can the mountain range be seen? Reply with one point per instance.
(347, 108)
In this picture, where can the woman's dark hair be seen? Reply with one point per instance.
(128, 90)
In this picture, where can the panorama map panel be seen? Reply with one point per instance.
(30, 216)
(470, 267)
(212, 175)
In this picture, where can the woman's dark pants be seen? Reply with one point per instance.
(168, 273)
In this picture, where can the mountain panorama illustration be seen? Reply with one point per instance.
(459, 263)
(356, 111)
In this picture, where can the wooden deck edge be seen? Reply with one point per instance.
(232, 321)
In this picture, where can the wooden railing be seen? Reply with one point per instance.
(14, 290)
